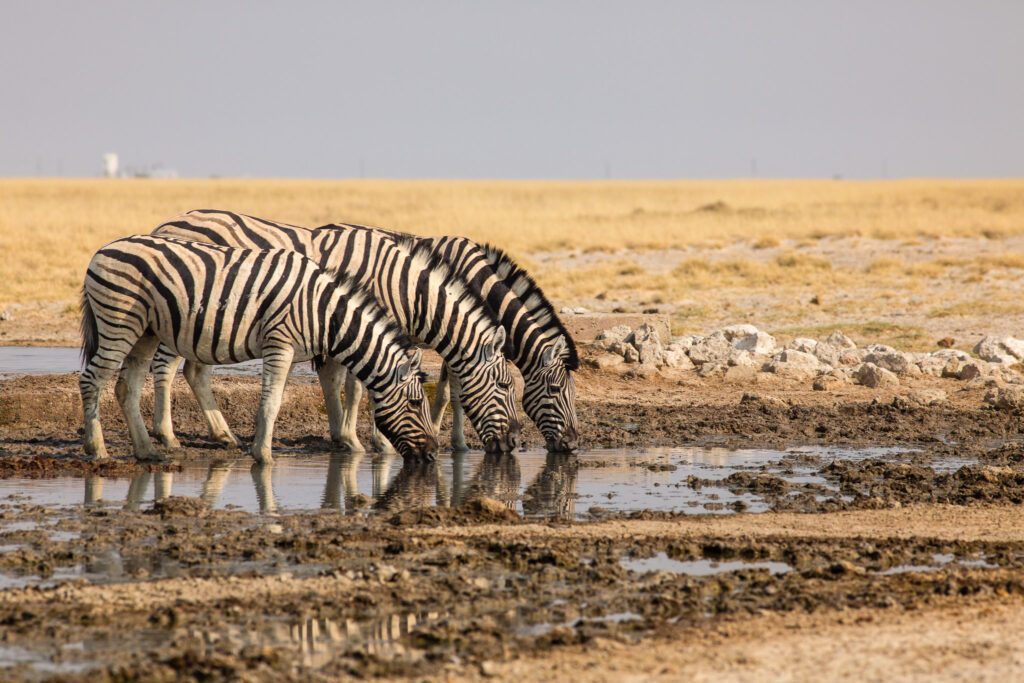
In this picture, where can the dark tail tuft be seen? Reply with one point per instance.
(90, 337)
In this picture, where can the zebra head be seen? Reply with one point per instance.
(401, 411)
(549, 398)
(488, 395)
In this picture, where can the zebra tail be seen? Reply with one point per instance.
(90, 337)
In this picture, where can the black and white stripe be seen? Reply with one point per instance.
(417, 288)
(214, 305)
(541, 347)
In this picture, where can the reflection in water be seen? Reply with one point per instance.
(415, 485)
(263, 479)
(216, 477)
(162, 482)
(497, 476)
(553, 493)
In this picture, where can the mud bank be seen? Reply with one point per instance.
(909, 564)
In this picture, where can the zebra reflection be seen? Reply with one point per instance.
(552, 494)
(497, 476)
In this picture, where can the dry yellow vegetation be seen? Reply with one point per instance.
(49, 228)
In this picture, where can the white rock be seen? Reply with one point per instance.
(743, 359)
(800, 358)
(804, 344)
(714, 348)
(894, 361)
(676, 358)
(1005, 350)
(932, 366)
(683, 342)
(828, 354)
(579, 310)
(734, 332)
(946, 354)
(870, 375)
(758, 342)
(619, 333)
(840, 340)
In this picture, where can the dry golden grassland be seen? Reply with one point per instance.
(726, 239)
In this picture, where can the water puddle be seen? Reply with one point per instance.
(535, 484)
(705, 567)
(942, 561)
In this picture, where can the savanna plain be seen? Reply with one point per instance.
(877, 535)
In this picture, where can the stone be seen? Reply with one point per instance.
(801, 358)
(734, 332)
(612, 335)
(579, 310)
(764, 399)
(894, 361)
(849, 358)
(951, 353)
(827, 354)
(740, 373)
(1006, 397)
(952, 368)
(1005, 350)
(648, 345)
(630, 354)
(970, 370)
(712, 369)
(743, 359)
(714, 348)
(932, 366)
(758, 342)
(803, 344)
(642, 371)
(870, 375)
(840, 340)
(677, 359)
(923, 398)
(829, 381)
(605, 361)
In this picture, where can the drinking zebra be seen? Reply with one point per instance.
(212, 305)
(542, 349)
(417, 288)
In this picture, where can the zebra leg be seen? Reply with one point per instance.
(276, 364)
(458, 416)
(380, 442)
(98, 371)
(165, 366)
(442, 394)
(129, 392)
(342, 420)
(198, 377)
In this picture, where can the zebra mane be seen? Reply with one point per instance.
(524, 286)
(423, 255)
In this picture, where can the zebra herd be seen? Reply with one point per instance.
(215, 287)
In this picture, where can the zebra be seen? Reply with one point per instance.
(541, 347)
(214, 304)
(416, 287)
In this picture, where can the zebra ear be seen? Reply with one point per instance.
(498, 342)
(547, 358)
(412, 365)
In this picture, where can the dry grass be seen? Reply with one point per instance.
(50, 228)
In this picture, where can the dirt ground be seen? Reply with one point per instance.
(910, 572)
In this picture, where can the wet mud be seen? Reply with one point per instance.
(393, 583)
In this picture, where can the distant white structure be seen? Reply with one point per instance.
(110, 165)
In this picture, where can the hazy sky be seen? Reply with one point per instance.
(516, 89)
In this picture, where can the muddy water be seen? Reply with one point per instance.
(534, 484)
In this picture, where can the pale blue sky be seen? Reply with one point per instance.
(514, 89)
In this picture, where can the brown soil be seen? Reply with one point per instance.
(473, 592)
